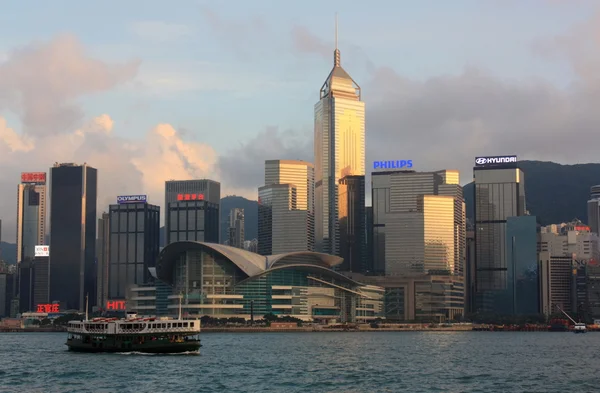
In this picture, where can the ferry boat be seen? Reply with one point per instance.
(133, 334)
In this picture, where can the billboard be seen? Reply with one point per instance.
(190, 197)
(47, 308)
(398, 164)
(483, 161)
(132, 199)
(116, 305)
(42, 251)
(33, 177)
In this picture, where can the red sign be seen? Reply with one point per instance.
(33, 177)
(47, 308)
(115, 305)
(190, 197)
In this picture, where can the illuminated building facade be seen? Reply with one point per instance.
(222, 282)
(133, 246)
(73, 235)
(286, 207)
(339, 147)
(203, 195)
(418, 223)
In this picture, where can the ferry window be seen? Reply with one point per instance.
(191, 324)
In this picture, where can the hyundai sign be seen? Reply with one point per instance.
(482, 161)
(132, 199)
(398, 164)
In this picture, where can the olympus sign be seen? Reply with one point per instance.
(479, 161)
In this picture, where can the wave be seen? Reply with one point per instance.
(188, 353)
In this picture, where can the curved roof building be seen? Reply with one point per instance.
(223, 281)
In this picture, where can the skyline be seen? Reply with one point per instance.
(136, 89)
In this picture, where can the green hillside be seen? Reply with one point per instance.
(555, 193)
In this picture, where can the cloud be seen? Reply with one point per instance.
(306, 42)
(124, 166)
(242, 168)
(42, 82)
(159, 31)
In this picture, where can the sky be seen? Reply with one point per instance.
(148, 91)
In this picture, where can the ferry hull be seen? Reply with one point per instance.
(142, 348)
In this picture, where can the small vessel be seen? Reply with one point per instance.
(133, 334)
(578, 327)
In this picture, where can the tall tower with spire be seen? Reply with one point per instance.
(339, 148)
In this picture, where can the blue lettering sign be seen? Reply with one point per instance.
(399, 164)
(132, 199)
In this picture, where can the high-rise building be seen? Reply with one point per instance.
(236, 228)
(339, 146)
(594, 209)
(73, 190)
(418, 222)
(33, 283)
(566, 259)
(352, 216)
(134, 245)
(286, 207)
(31, 217)
(188, 196)
(499, 194)
(102, 258)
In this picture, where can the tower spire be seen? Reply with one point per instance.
(336, 52)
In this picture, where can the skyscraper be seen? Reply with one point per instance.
(418, 223)
(31, 214)
(352, 218)
(236, 228)
(134, 245)
(499, 194)
(102, 258)
(339, 146)
(286, 207)
(73, 190)
(594, 209)
(191, 195)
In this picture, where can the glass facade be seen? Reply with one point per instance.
(339, 147)
(419, 223)
(193, 220)
(175, 191)
(133, 246)
(352, 217)
(297, 285)
(281, 226)
(73, 235)
(499, 194)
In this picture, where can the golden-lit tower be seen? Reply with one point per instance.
(339, 148)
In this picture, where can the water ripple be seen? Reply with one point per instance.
(319, 362)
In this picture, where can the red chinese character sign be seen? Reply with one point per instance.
(115, 305)
(48, 308)
(33, 177)
(190, 197)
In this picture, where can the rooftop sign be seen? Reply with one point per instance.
(483, 161)
(398, 164)
(132, 199)
(33, 177)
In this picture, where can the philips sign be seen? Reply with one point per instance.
(399, 164)
(480, 161)
(132, 199)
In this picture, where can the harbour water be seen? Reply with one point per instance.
(314, 362)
